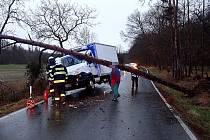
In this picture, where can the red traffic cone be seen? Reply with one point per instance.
(30, 102)
(46, 95)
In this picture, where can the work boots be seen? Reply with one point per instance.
(63, 101)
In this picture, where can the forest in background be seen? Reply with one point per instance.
(19, 55)
(172, 34)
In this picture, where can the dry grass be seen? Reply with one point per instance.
(195, 110)
(11, 73)
(196, 114)
(13, 76)
(6, 109)
(164, 74)
(14, 83)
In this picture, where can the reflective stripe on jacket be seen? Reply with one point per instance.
(134, 75)
(59, 73)
(49, 73)
(52, 90)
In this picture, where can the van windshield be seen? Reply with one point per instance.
(70, 61)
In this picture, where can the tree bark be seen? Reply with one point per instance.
(171, 37)
(40, 58)
(176, 46)
(188, 39)
(202, 45)
(184, 45)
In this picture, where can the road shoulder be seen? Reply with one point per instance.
(194, 115)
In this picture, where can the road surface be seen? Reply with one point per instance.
(139, 115)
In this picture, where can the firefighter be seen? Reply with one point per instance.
(134, 77)
(51, 64)
(60, 77)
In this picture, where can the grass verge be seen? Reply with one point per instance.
(13, 77)
(196, 115)
(12, 72)
(13, 66)
(9, 108)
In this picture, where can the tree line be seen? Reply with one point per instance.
(172, 34)
(19, 55)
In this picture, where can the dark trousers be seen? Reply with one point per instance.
(134, 81)
(51, 89)
(59, 89)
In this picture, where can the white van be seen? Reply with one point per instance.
(84, 74)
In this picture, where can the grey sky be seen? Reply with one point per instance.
(112, 18)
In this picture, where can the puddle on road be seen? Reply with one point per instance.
(77, 101)
(82, 98)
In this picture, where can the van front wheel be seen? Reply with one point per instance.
(91, 87)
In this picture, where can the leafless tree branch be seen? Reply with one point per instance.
(54, 20)
(10, 44)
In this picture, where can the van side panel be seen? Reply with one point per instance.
(108, 53)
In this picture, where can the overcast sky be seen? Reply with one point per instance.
(112, 18)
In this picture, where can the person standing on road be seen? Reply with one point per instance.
(134, 77)
(60, 77)
(51, 64)
(115, 81)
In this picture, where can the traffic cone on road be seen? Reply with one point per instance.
(46, 95)
(30, 102)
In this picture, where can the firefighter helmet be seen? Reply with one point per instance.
(51, 61)
(58, 61)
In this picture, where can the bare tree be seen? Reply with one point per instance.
(10, 13)
(202, 44)
(85, 36)
(57, 21)
(134, 26)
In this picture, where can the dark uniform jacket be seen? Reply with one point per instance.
(59, 74)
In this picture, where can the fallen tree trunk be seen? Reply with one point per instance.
(99, 61)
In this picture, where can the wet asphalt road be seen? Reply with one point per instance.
(139, 115)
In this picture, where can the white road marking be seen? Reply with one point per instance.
(74, 91)
(18, 111)
(25, 108)
(184, 126)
